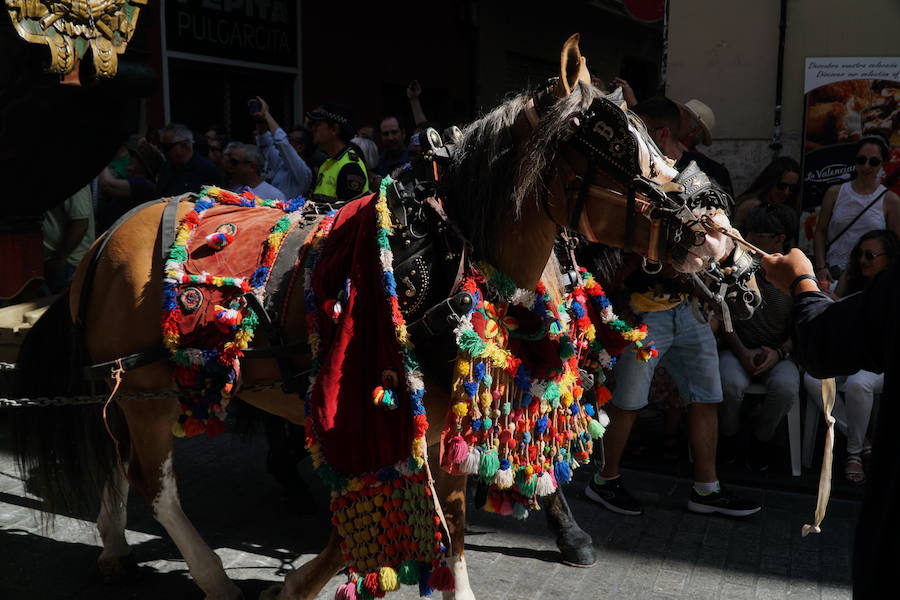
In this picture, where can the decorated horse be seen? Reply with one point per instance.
(422, 334)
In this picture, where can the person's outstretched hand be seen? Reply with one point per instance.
(627, 92)
(263, 111)
(413, 90)
(782, 269)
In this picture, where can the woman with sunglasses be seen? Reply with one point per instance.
(853, 208)
(874, 252)
(778, 183)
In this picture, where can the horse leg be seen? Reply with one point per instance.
(151, 474)
(573, 542)
(306, 582)
(116, 562)
(451, 491)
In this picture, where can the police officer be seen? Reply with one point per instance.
(343, 175)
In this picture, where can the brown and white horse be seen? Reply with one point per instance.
(510, 186)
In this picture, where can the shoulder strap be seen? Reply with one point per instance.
(855, 219)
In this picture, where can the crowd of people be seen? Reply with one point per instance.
(699, 366)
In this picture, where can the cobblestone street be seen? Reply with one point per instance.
(237, 507)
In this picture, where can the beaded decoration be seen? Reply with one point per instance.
(206, 377)
(388, 522)
(520, 433)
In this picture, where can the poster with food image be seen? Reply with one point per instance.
(845, 99)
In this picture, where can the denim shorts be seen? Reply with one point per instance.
(688, 351)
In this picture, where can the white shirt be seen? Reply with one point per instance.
(850, 203)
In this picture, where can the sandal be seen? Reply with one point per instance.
(853, 469)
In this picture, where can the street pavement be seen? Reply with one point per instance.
(668, 553)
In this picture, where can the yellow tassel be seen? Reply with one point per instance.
(177, 429)
(460, 409)
(387, 579)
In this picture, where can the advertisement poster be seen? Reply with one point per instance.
(845, 99)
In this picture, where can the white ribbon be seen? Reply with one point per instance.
(828, 391)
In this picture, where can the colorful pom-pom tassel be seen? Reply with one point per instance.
(562, 471)
(384, 397)
(545, 485)
(457, 450)
(228, 318)
(219, 240)
(442, 579)
(595, 429)
(408, 572)
(488, 466)
(503, 478)
(603, 418)
(346, 592)
(387, 580)
(472, 462)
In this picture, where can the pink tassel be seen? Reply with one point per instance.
(457, 449)
(346, 592)
(442, 579)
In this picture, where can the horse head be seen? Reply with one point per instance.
(613, 185)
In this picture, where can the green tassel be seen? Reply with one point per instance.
(507, 408)
(488, 466)
(487, 423)
(552, 392)
(470, 343)
(178, 253)
(408, 572)
(596, 429)
(526, 484)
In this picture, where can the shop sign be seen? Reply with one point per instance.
(261, 31)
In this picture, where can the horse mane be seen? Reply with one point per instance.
(490, 180)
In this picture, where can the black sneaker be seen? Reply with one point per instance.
(613, 496)
(723, 502)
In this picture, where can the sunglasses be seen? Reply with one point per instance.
(788, 186)
(874, 161)
(870, 256)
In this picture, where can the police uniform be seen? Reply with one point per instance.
(343, 176)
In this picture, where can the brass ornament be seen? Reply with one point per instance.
(70, 27)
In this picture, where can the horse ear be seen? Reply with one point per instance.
(572, 67)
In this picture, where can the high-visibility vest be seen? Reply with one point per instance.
(326, 184)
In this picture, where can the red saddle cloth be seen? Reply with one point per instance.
(355, 435)
(239, 258)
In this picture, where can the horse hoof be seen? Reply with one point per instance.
(271, 593)
(577, 548)
(118, 570)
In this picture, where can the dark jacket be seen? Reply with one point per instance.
(840, 338)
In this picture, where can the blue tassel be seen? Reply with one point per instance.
(588, 409)
(562, 472)
(471, 388)
(478, 372)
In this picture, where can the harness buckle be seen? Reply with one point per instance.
(646, 266)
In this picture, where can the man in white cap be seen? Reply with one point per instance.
(697, 122)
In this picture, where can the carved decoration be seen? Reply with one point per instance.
(70, 28)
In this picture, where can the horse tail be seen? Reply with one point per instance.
(64, 453)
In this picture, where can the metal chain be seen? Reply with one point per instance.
(44, 401)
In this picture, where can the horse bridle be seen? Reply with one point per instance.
(602, 136)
